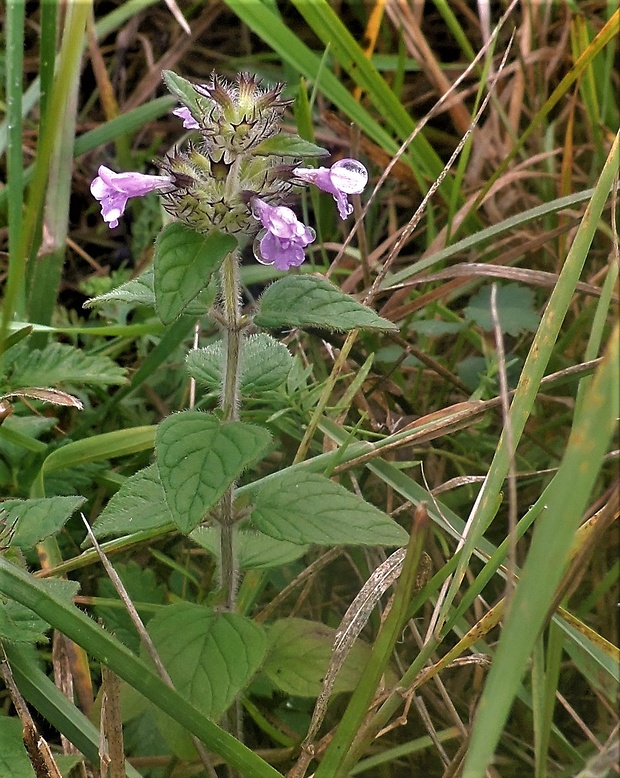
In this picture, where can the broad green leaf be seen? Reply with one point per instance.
(17, 584)
(185, 92)
(199, 457)
(298, 656)
(141, 291)
(142, 587)
(289, 146)
(265, 364)
(13, 758)
(254, 549)
(515, 309)
(185, 260)
(210, 656)
(140, 504)
(306, 507)
(19, 624)
(60, 363)
(37, 519)
(308, 301)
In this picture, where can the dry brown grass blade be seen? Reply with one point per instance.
(111, 750)
(587, 539)
(152, 79)
(145, 638)
(63, 679)
(401, 171)
(471, 270)
(370, 36)
(353, 622)
(39, 752)
(107, 96)
(429, 427)
(178, 15)
(405, 21)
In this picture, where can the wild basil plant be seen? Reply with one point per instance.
(231, 185)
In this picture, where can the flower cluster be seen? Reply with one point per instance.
(235, 174)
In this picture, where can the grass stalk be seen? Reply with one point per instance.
(14, 299)
(333, 763)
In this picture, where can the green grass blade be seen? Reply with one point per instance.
(535, 365)
(18, 585)
(14, 290)
(55, 707)
(46, 266)
(327, 25)
(105, 446)
(494, 231)
(276, 34)
(553, 537)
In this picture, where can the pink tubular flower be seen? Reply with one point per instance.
(284, 238)
(188, 120)
(348, 176)
(114, 189)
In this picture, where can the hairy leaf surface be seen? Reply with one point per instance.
(309, 508)
(199, 457)
(308, 301)
(185, 260)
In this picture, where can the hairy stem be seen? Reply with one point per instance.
(231, 309)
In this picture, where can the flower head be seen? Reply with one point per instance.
(348, 176)
(284, 238)
(114, 189)
(235, 116)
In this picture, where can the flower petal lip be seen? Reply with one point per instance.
(284, 238)
(114, 189)
(347, 176)
(188, 120)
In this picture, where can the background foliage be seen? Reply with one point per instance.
(499, 658)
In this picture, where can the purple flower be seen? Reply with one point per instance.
(114, 189)
(284, 238)
(348, 176)
(188, 120)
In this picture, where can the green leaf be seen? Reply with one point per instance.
(17, 584)
(254, 549)
(142, 587)
(19, 624)
(309, 508)
(139, 290)
(199, 457)
(265, 364)
(289, 146)
(34, 520)
(308, 301)
(60, 363)
(140, 504)
(210, 656)
(515, 309)
(185, 260)
(13, 758)
(298, 656)
(185, 92)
